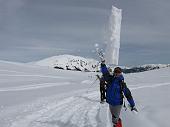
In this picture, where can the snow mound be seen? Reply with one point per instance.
(70, 62)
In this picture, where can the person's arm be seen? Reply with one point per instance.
(128, 95)
(107, 77)
(98, 77)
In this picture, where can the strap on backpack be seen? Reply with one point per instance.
(122, 85)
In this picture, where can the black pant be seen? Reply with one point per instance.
(102, 93)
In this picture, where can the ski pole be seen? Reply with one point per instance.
(92, 84)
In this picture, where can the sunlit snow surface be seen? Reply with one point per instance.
(33, 96)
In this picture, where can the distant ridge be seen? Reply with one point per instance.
(146, 67)
(70, 62)
(78, 63)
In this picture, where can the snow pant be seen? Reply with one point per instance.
(102, 93)
(115, 112)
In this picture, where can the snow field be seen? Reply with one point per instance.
(33, 96)
(82, 111)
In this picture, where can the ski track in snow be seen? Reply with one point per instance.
(141, 86)
(45, 85)
(41, 76)
(75, 111)
(34, 86)
(83, 110)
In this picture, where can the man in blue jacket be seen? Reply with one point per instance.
(116, 89)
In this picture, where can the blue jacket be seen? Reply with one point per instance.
(116, 87)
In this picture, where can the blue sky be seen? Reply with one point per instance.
(31, 30)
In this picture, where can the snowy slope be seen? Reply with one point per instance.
(35, 96)
(70, 62)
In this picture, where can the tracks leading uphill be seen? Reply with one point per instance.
(75, 111)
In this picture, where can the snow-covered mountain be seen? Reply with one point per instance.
(70, 62)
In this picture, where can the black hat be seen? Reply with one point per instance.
(117, 70)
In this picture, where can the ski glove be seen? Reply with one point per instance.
(102, 61)
(134, 109)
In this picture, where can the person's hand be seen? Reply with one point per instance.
(103, 61)
(98, 76)
(134, 109)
